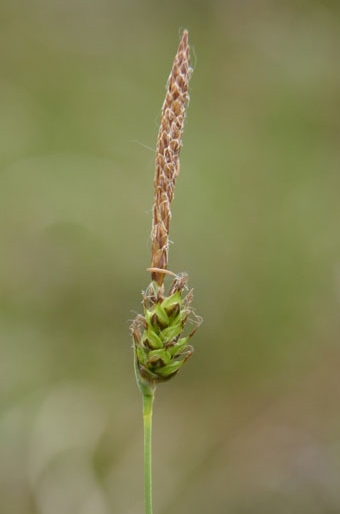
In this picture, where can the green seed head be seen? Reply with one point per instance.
(160, 345)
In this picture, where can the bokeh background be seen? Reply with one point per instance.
(251, 425)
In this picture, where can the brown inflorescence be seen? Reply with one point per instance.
(169, 143)
(161, 337)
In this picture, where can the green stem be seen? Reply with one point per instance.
(147, 418)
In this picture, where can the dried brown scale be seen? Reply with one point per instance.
(169, 143)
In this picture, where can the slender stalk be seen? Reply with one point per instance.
(147, 418)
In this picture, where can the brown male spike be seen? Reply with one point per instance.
(169, 143)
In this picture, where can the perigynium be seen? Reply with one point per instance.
(160, 334)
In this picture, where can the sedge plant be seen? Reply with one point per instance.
(160, 337)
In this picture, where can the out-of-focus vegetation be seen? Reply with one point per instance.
(252, 424)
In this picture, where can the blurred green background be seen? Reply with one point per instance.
(252, 423)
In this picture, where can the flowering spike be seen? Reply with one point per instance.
(160, 340)
(169, 143)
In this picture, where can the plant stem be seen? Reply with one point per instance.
(147, 418)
